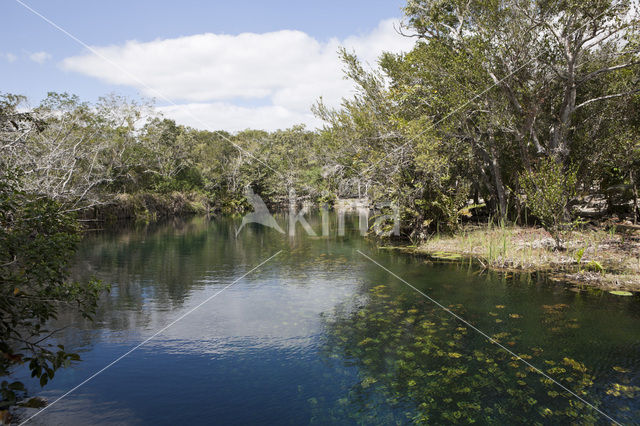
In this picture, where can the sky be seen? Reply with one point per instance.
(217, 65)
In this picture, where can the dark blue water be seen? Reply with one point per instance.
(320, 334)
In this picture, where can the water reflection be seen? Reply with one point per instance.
(323, 335)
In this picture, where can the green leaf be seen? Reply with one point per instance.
(18, 386)
(35, 402)
(621, 293)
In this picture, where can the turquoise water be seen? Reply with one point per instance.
(320, 334)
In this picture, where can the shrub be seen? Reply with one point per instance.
(547, 193)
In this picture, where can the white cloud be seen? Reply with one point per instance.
(208, 72)
(10, 57)
(227, 116)
(40, 57)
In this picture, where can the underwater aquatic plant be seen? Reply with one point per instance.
(417, 360)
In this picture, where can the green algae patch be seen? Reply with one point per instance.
(444, 255)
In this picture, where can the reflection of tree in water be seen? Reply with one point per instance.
(155, 267)
(411, 353)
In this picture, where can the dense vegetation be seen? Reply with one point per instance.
(495, 101)
(491, 93)
(36, 242)
(514, 110)
(84, 154)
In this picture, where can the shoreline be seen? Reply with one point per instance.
(607, 260)
(146, 207)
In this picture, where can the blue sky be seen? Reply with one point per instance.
(168, 38)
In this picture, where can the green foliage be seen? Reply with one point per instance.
(422, 360)
(457, 117)
(595, 266)
(37, 242)
(547, 193)
(460, 117)
(578, 256)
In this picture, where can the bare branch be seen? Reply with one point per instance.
(602, 98)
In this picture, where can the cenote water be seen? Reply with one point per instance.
(320, 334)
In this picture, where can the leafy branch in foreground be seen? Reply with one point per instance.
(36, 244)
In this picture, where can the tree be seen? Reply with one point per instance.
(37, 242)
(393, 152)
(69, 150)
(292, 155)
(489, 90)
(517, 80)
